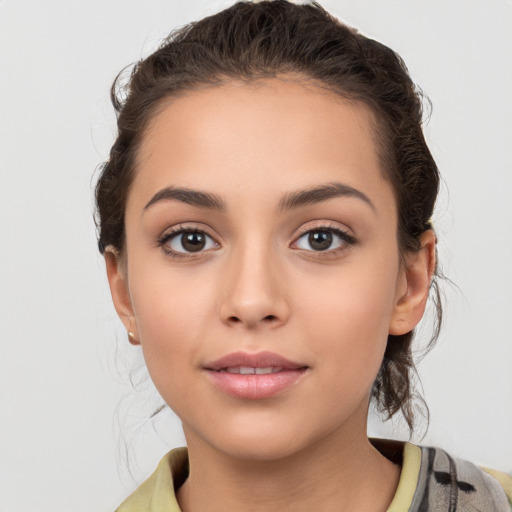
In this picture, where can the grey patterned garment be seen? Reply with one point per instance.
(453, 485)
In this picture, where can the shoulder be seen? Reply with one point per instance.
(156, 494)
(447, 483)
(504, 479)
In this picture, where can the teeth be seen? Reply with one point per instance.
(263, 371)
(247, 370)
(232, 369)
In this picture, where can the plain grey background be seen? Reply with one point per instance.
(64, 359)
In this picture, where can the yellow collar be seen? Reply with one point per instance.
(157, 493)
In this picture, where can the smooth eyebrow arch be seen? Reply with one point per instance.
(289, 201)
(189, 196)
(321, 193)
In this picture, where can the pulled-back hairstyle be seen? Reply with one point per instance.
(251, 41)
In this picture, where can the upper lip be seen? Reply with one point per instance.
(256, 360)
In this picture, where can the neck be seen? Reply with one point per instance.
(333, 474)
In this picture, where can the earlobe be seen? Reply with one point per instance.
(414, 286)
(118, 282)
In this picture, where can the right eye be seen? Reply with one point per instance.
(184, 241)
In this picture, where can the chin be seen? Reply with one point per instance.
(263, 450)
(263, 441)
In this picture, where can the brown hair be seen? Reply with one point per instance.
(251, 41)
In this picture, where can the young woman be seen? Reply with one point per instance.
(265, 220)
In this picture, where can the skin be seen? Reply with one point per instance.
(260, 285)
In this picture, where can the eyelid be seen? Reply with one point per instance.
(175, 231)
(343, 234)
(325, 225)
(347, 239)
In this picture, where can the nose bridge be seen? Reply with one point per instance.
(254, 291)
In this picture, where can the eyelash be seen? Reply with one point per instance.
(348, 240)
(174, 233)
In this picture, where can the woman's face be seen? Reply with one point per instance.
(262, 276)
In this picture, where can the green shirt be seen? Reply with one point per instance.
(430, 481)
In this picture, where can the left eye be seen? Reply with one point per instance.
(189, 241)
(322, 239)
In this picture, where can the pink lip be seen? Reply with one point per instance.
(254, 386)
(258, 360)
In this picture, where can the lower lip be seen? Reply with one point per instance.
(255, 387)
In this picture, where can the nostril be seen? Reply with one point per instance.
(267, 318)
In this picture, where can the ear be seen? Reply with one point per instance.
(117, 279)
(413, 286)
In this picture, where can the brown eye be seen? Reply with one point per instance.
(323, 239)
(193, 242)
(187, 241)
(320, 240)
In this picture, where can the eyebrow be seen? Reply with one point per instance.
(289, 201)
(315, 195)
(188, 196)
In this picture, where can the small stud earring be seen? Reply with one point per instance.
(131, 338)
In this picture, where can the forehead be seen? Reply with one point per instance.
(259, 135)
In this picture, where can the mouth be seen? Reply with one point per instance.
(247, 370)
(244, 363)
(254, 376)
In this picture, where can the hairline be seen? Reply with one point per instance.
(375, 118)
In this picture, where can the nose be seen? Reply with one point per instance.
(254, 291)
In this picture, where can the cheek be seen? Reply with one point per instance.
(338, 315)
(172, 314)
(349, 314)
